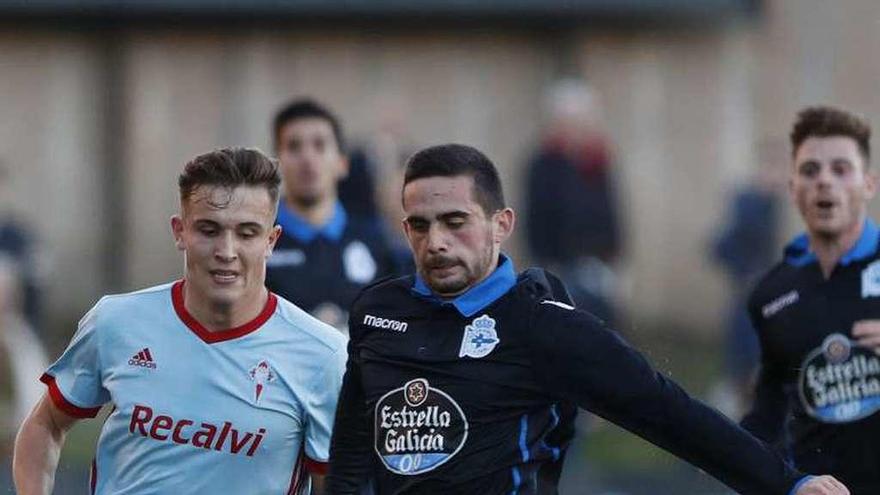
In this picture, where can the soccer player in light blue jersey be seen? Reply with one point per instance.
(216, 384)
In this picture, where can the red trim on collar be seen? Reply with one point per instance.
(220, 335)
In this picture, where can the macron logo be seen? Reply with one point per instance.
(143, 358)
(394, 325)
(779, 303)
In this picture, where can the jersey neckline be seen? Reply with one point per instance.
(222, 335)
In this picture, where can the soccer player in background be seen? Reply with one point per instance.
(216, 384)
(456, 376)
(325, 254)
(817, 312)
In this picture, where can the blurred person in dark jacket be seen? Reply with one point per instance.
(745, 247)
(572, 216)
(326, 252)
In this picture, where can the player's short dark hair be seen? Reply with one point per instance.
(826, 121)
(306, 108)
(452, 160)
(230, 167)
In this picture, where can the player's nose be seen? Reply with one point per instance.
(224, 247)
(437, 239)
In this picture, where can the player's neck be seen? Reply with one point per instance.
(830, 249)
(317, 213)
(217, 317)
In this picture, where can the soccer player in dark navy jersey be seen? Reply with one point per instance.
(462, 378)
(817, 313)
(325, 254)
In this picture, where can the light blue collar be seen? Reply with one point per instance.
(479, 296)
(295, 226)
(797, 252)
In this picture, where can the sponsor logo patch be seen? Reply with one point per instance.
(418, 428)
(840, 381)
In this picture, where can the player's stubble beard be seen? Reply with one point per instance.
(482, 268)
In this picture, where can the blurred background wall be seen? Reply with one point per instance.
(101, 108)
(102, 104)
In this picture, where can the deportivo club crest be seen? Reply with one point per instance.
(479, 338)
(262, 375)
(871, 280)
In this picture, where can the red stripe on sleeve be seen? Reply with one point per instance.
(64, 404)
(315, 467)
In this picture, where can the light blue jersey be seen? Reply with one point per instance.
(197, 411)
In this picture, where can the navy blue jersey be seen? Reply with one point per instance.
(321, 270)
(818, 392)
(475, 395)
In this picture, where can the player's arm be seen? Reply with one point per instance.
(350, 455)
(38, 448)
(577, 358)
(318, 483)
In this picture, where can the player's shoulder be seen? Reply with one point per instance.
(295, 319)
(781, 277)
(388, 291)
(123, 304)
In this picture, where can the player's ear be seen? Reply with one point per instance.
(344, 166)
(870, 182)
(503, 222)
(273, 238)
(177, 231)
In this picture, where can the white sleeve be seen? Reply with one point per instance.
(75, 379)
(322, 411)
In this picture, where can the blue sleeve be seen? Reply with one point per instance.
(577, 358)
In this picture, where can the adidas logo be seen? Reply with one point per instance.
(143, 358)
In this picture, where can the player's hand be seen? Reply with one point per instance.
(867, 334)
(822, 485)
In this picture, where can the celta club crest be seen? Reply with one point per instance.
(261, 374)
(479, 338)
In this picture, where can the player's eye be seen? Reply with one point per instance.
(320, 145)
(293, 146)
(841, 167)
(809, 169)
(455, 223)
(418, 225)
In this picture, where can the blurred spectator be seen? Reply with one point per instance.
(326, 252)
(746, 247)
(384, 152)
(17, 243)
(22, 357)
(571, 205)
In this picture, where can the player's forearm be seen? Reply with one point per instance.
(585, 362)
(37, 450)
